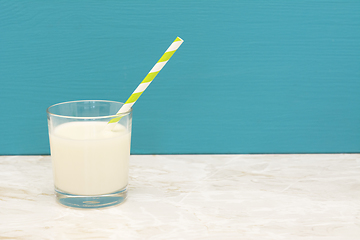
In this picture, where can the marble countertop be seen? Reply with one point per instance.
(310, 196)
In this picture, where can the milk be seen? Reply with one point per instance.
(89, 159)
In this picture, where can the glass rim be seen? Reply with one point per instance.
(99, 117)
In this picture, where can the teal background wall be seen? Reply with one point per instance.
(251, 76)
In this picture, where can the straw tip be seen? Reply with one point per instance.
(178, 39)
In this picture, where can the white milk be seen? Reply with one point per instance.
(88, 160)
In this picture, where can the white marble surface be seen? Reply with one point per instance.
(194, 197)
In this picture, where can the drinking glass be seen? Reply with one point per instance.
(90, 158)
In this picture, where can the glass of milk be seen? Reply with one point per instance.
(90, 160)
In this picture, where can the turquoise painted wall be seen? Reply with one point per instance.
(251, 76)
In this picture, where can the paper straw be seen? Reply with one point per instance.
(148, 79)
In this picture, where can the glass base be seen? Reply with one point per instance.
(97, 201)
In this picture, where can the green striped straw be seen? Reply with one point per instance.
(148, 79)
